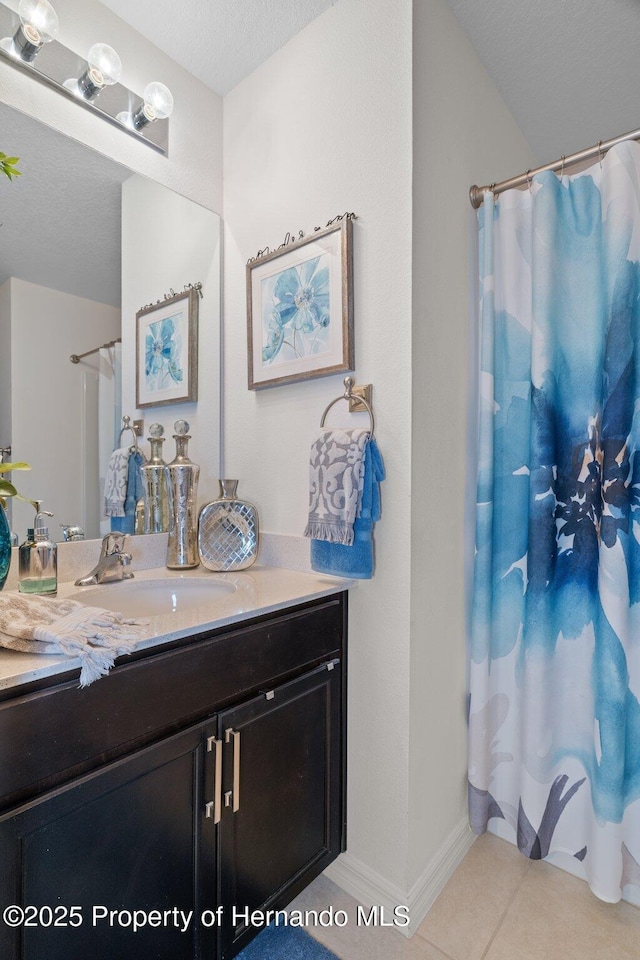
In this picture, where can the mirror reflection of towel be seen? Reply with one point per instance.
(115, 482)
(126, 521)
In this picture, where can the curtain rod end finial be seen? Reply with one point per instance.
(475, 196)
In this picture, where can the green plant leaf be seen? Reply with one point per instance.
(7, 489)
(12, 160)
(18, 465)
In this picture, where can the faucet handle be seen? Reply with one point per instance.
(113, 543)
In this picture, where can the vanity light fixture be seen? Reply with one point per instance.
(93, 81)
(39, 24)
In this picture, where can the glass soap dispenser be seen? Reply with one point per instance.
(38, 558)
(154, 479)
(182, 474)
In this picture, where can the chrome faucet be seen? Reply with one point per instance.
(112, 563)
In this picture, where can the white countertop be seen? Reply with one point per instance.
(256, 591)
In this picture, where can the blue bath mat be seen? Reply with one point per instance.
(285, 943)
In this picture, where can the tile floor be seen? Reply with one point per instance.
(497, 906)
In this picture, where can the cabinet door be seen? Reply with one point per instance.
(131, 836)
(282, 813)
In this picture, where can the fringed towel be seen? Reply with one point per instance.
(357, 561)
(31, 624)
(115, 483)
(336, 476)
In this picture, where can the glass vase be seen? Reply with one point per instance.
(5, 547)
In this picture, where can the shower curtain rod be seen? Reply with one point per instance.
(476, 193)
(77, 357)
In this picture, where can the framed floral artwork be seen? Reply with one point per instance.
(167, 351)
(300, 309)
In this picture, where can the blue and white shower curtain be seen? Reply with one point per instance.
(554, 754)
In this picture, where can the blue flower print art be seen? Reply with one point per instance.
(167, 350)
(163, 353)
(296, 312)
(300, 307)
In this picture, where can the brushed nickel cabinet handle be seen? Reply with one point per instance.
(216, 803)
(234, 735)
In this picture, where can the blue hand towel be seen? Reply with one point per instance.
(135, 490)
(355, 561)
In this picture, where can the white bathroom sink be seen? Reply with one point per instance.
(155, 598)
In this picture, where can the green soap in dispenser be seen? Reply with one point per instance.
(38, 559)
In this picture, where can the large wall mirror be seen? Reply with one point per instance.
(84, 245)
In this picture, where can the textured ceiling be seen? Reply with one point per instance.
(569, 71)
(219, 41)
(60, 221)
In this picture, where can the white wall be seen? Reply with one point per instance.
(47, 395)
(340, 138)
(463, 134)
(168, 241)
(194, 165)
(322, 127)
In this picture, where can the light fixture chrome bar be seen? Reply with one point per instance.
(56, 65)
(476, 194)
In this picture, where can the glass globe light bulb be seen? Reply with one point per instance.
(105, 64)
(39, 25)
(40, 16)
(158, 101)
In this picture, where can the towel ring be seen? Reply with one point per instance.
(347, 395)
(127, 426)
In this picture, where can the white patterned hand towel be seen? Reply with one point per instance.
(336, 476)
(42, 625)
(115, 483)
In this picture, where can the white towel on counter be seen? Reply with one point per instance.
(32, 624)
(336, 479)
(115, 483)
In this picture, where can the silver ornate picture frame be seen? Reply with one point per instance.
(300, 309)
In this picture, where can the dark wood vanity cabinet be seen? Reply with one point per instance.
(194, 822)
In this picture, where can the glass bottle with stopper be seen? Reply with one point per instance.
(154, 479)
(183, 475)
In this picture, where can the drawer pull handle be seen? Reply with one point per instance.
(216, 803)
(234, 735)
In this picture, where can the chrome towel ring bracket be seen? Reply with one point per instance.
(351, 397)
(136, 429)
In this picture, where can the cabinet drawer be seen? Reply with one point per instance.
(48, 736)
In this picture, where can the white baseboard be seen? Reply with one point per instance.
(434, 878)
(369, 887)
